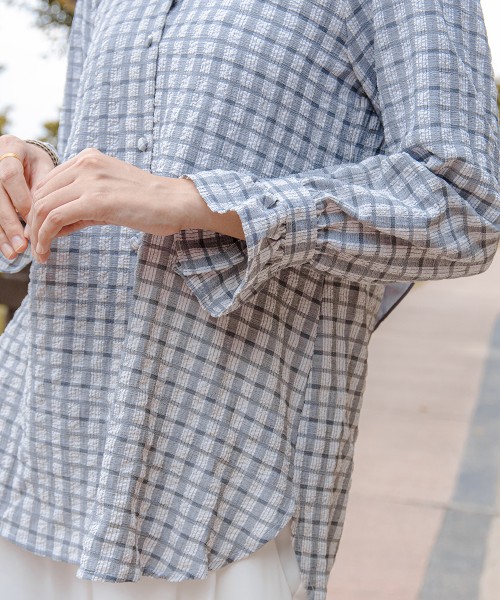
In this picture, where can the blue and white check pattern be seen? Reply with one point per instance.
(168, 403)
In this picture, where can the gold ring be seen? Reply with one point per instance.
(13, 155)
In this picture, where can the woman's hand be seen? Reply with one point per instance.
(17, 181)
(96, 189)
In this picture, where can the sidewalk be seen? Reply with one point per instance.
(423, 521)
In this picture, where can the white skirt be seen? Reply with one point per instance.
(270, 573)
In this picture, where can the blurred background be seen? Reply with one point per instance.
(423, 521)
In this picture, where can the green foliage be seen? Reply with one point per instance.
(4, 121)
(3, 317)
(50, 14)
(51, 130)
(55, 12)
(3, 124)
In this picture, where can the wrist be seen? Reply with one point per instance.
(37, 154)
(37, 148)
(200, 216)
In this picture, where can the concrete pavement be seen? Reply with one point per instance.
(423, 521)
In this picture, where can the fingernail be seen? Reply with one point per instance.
(39, 249)
(18, 243)
(27, 232)
(8, 251)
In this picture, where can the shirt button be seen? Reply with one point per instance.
(269, 200)
(142, 144)
(149, 40)
(135, 243)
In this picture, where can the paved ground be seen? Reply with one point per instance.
(424, 516)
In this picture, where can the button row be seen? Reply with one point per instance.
(143, 142)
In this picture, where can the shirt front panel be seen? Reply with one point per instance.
(157, 439)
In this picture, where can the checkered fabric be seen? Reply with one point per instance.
(168, 403)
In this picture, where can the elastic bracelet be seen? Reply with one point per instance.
(49, 148)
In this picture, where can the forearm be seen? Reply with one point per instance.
(199, 215)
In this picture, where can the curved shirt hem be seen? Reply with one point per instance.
(72, 551)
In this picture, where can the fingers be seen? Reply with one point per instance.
(56, 171)
(55, 188)
(54, 227)
(5, 246)
(14, 183)
(67, 230)
(49, 195)
(47, 208)
(57, 180)
(10, 224)
(14, 196)
(57, 219)
(39, 172)
(58, 205)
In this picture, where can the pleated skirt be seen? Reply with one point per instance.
(270, 573)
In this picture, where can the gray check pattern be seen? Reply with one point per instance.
(169, 403)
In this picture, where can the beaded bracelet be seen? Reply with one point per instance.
(49, 148)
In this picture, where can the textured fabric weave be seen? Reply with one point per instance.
(269, 573)
(168, 403)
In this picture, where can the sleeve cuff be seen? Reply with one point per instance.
(279, 219)
(17, 264)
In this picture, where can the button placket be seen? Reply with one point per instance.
(143, 143)
(152, 42)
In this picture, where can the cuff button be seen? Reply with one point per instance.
(269, 201)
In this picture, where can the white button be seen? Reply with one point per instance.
(149, 40)
(135, 243)
(142, 144)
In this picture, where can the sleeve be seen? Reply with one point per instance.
(426, 207)
(78, 41)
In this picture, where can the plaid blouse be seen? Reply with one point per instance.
(169, 403)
